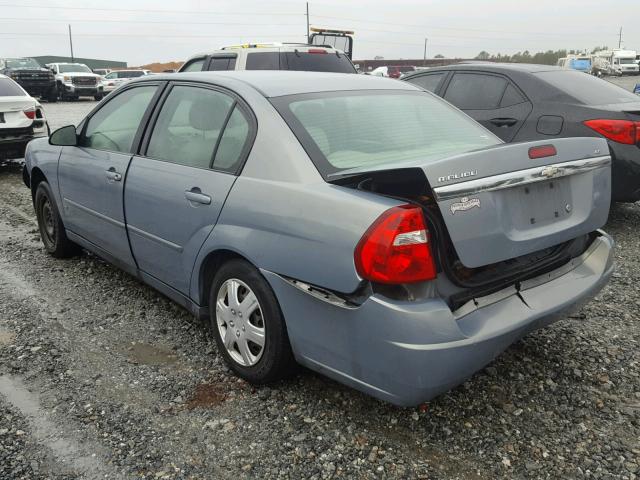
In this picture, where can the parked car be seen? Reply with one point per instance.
(636, 89)
(31, 76)
(271, 56)
(354, 224)
(102, 71)
(21, 119)
(520, 102)
(393, 71)
(75, 80)
(114, 79)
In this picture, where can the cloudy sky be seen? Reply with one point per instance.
(144, 31)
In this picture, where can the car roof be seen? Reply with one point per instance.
(497, 67)
(277, 83)
(261, 47)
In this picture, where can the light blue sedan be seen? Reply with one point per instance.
(356, 225)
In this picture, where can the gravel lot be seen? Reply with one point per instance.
(101, 377)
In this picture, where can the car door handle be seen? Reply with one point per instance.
(196, 195)
(113, 175)
(504, 122)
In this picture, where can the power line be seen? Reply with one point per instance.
(57, 34)
(436, 27)
(93, 20)
(134, 10)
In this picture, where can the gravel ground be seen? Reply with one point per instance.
(101, 377)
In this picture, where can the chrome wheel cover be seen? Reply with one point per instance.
(240, 322)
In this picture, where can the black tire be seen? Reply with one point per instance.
(277, 361)
(52, 95)
(99, 97)
(50, 224)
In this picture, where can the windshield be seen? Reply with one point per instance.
(22, 63)
(73, 67)
(344, 130)
(316, 62)
(9, 88)
(587, 89)
(627, 61)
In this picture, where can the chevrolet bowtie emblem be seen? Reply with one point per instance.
(550, 172)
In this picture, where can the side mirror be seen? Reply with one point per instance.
(64, 137)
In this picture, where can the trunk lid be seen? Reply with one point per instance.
(498, 204)
(11, 112)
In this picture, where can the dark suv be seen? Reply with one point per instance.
(30, 75)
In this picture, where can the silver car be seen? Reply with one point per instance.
(359, 226)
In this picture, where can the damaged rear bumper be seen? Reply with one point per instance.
(408, 352)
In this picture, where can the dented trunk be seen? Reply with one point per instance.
(511, 200)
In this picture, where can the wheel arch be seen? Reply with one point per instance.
(208, 268)
(37, 176)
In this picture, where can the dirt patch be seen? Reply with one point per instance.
(146, 354)
(6, 337)
(206, 395)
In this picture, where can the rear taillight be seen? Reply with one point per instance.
(542, 151)
(621, 131)
(30, 113)
(395, 249)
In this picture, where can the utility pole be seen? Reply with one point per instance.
(307, 21)
(424, 62)
(71, 44)
(620, 39)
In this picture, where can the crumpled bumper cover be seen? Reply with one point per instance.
(408, 352)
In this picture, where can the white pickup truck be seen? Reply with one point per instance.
(76, 80)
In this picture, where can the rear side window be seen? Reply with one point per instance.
(317, 62)
(189, 125)
(193, 65)
(587, 89)
(114, 126)
(234, 138)
(475, 91)
(428, 82)
(511, 97)
(9, 88)
(263, 61)
(219, 64)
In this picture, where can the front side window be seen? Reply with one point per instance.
(222, 63)
(428, 82)
(115, 125)
(364, 129)
(194, 66)
(188, 126)
(475, 91)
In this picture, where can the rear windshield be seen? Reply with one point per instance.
(317, 62)
(344, 130)
(9, 88)
(587, 89)
(73, 67)
(22, 63)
